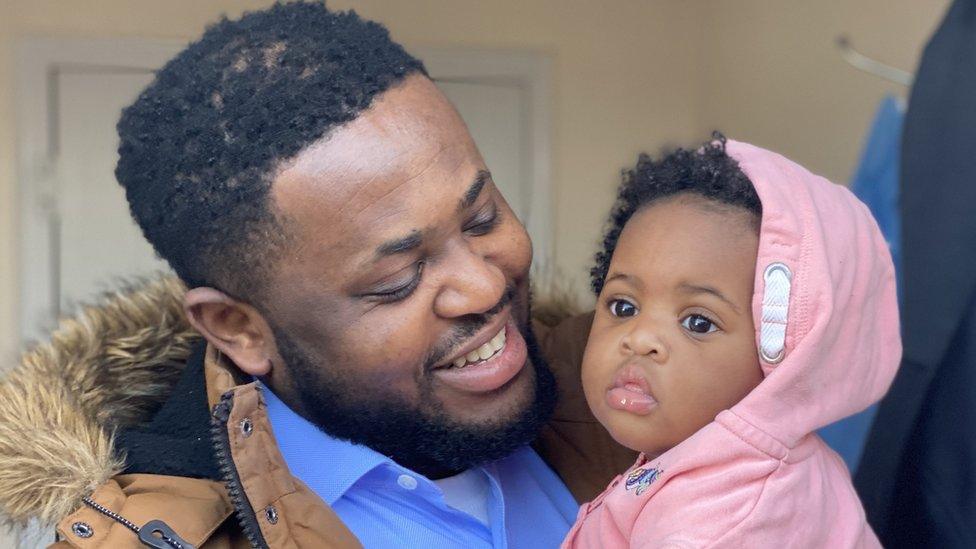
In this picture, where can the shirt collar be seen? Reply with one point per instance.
(329, 466)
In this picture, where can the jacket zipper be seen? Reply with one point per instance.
(154, 533)
(221, 442)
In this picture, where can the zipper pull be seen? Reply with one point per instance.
(159, 535)
(221, 410)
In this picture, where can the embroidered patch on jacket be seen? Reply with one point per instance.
(641, 478)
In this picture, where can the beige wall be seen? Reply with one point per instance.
(8, 287)
(772, 75)
(627, 76)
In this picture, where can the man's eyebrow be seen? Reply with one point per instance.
(414, 239)
(474, 191)
(631, 279)
(698, 289)
(399, 245)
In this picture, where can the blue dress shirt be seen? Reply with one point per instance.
(386, 505)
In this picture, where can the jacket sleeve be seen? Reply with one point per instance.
(574, 443)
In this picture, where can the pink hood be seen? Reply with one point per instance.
(827, 327)
(842, 342)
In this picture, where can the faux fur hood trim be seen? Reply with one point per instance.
(109, 367)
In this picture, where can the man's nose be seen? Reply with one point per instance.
(644, 339)
(471, 285)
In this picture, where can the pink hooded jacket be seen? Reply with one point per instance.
(827, 331)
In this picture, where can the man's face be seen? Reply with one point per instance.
(401, 306)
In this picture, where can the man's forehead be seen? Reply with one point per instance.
(396, 187)
(409, 130)
(391, 170)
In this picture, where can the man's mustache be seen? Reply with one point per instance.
(466, 327)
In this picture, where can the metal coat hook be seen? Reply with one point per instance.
(862, 62)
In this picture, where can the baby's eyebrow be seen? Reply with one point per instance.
(699, 289)
(633, 280)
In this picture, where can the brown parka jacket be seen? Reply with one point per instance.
(126, 431)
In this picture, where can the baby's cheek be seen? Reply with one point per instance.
(713, 394)
(591, 376)
(596, 370)
(742, 374)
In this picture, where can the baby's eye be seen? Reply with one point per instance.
(699, 324)
(622, 308)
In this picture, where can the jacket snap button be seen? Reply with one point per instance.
(271, 514)
(82, 529)
(247, 427)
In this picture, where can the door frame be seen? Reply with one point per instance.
(39, 61)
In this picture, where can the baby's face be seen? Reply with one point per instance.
(673, 342)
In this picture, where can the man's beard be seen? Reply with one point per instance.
(422, 438)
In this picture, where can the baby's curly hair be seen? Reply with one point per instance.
(199, 147)
(708, 172)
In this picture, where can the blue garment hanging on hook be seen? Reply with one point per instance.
(876, 179)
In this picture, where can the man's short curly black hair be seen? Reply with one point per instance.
(200, 146)
(708, 172)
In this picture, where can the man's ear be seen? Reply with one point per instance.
(237, 329)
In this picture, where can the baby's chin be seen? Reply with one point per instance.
(643, 434)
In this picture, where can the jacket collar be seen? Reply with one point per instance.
(176, 441)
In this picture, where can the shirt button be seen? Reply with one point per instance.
(407, 482)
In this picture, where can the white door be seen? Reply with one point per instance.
(97, 242)
(79, 238)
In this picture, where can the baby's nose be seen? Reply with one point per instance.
(642, 340)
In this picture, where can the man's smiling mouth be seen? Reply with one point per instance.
(490, 365)
(482, 353)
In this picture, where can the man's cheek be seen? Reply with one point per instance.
(391, 364)
(523, 249)
(511, 247)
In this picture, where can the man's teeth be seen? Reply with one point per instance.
(484, 352)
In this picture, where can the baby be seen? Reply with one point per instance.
(743, 303)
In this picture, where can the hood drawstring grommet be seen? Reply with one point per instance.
(271, 514)
(775, 312)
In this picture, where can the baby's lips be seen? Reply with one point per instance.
(628, 400)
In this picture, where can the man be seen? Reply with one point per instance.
(368, 371)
